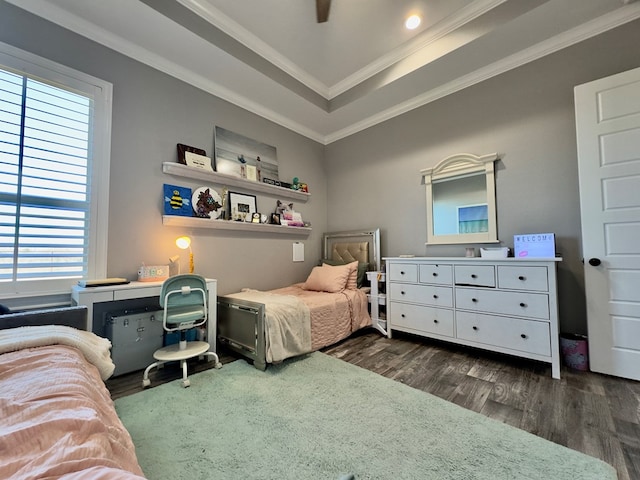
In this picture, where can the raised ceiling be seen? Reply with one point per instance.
(329, 80)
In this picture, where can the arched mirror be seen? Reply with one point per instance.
(461, 200)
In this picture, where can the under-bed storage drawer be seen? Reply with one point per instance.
(421, 318)
(515, 334)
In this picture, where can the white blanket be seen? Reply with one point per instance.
(287, 323)
(94, 348)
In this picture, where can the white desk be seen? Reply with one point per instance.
(103, 298)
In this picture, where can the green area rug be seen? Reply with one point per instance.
(316, 417)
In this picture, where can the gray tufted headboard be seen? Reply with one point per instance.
(360, 245)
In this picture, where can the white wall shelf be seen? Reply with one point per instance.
(180, 170)
(195, 222)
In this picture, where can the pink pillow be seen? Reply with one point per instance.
(352, 279)
(328, 278)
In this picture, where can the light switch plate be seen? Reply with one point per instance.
(298, 252)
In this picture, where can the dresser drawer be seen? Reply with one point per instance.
(403, 272)
(423, 294)
(534, 279)
(436, 273)
(531, 305)
(421, 318)
(512, 333)
(480, 275)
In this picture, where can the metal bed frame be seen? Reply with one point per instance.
(241, 323)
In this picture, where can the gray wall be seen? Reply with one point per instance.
(152, 112)
(526, 115)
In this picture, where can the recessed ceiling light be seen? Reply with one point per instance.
(412, 22)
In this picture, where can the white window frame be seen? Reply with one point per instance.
(24, 63)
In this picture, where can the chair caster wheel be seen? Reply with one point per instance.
(146, 382)
(218, 365)
(186, 383)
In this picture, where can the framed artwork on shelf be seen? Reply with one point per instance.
(194, 157)
(244, 157)
(207, 203)
(177, 200)
(241, 206)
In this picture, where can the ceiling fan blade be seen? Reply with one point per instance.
(322, 10)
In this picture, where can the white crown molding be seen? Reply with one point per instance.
(249, 40)
(585, 31)
(427, 38)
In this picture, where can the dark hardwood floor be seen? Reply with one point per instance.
(592, 413)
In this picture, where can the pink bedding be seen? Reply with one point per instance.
(58, 419)
(334, 316)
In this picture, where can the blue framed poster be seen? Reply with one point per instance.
(177, 200)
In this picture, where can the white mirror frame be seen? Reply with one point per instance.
(451, 168)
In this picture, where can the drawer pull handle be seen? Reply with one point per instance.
(402, 292)
(522, 277)
(401, 273)
(435, 274)
(435, 296)
(473, 275)
(523, 335)
(402, 315)
(474, 300)
(475, 328)
(435, 321)
(522, 304)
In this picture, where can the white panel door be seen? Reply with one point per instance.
(608, 134)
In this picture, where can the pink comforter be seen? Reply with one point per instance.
(58, 420)
(334, 316)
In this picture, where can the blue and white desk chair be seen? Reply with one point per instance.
(184, 302)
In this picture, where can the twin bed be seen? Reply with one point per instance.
(268, 327)
(58, 419)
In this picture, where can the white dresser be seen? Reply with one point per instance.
(507, 305)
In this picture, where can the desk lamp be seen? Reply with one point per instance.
(184, 243)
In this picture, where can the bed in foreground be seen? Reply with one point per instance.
(58, 419)
(268, 327)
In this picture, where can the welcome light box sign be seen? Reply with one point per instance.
(535, 245)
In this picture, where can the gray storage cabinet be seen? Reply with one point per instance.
(134, 338)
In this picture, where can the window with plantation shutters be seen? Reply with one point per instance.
(49, 209)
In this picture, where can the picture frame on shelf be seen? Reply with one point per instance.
(255, 217)
(275, 219)
(244, 157)
(207, 203)
(183, 149)
(241, 206)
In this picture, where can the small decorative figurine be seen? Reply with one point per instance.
(296, 184)
(281, 208)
